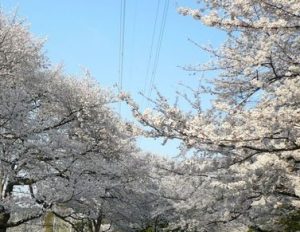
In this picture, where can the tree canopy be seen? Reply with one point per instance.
(64, 150)
(248, 141)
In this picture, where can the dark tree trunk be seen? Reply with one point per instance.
(4, 217)
(97, 224)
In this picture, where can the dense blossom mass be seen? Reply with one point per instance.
(65, 152)
(248, 142)
(62, 150)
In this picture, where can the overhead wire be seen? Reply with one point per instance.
(151, 47)
(150, 77)
(131, 60)
(121, 46)
(158, 48)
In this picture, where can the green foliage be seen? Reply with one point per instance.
(48, 222)
(291, 223)
(83, 225)
(149, 229)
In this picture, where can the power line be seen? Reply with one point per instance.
(133, 37)
(161, 34)
(121, 46)
(158, 48)
(151, 47)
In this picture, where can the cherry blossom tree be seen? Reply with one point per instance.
(121, 193)
(249, 138)
(63, 150)
(51, 126)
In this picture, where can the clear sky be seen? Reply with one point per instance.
(87, 34)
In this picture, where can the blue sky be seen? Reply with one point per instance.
(86, 34)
